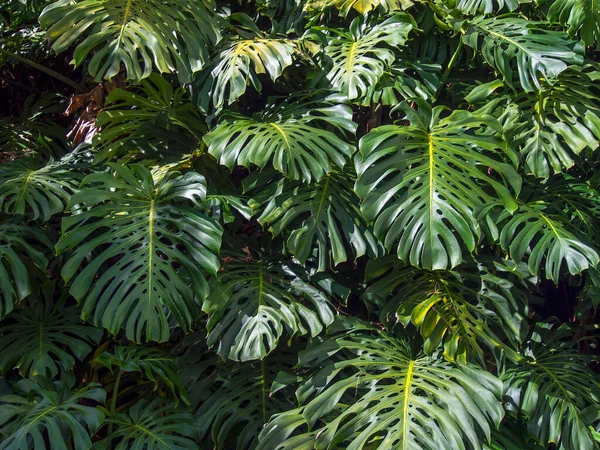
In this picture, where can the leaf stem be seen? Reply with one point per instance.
(113, 401)
(446, 73)
(44, 69)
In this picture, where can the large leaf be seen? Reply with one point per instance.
(239, 64)
(169, 35)
(49, 413)
(551, 128)
(37, 192)
(582, 18)
(545, 238)
(45, 338)
(153, 363)
(361, 6)
(528, 47)
(235, 400)
(321, 219)
(555, 391)
(156, 425)
(487, 6)
(22, 256)
(463, 309)
(148, 247)
(421, 183)
(161, 122)
(292, 137)
(384, 397)
(361, 55)
(256, 301)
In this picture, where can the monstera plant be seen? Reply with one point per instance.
(299, 224)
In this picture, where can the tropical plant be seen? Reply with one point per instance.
(299, 224)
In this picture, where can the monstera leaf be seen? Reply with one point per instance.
(159, 123)
(156, 425)
(462, 308)
(321, 219)
(149, 247)
(421, 183)
(385, 397)
(22, 257)
(45, 338)
(555, 391)
(582, 17)
(236, 399)
(529, 48)
(37, 192)
(239, 63)
(360, 56)
(551, 128)
(473, 7)
(171, 35)
(154, 364)
(360, 6)
(545, 238)
(49, 413)
(292, 137)
(256, 301)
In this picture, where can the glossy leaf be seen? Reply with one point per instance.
(581, 17)
(422, 183)
(255, 302)
(302, 141)
(360, 6)
(171, 35)
(152, 248)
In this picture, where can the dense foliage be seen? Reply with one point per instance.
(299, 224)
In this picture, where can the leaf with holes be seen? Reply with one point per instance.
(169, 35)
(301, 138)
(37, 192)
(45, 339)
(422, 183)
(45, 411)
(255, 302)
(360, 6)
(153, 248)
(360, 56)
(384, 397)
(476, 305)
(582, 17)
(530, 48)
(322, 219)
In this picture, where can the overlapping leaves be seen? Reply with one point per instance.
(152, 247)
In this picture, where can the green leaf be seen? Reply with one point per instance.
(383, 397)
(555, 391)
(528, 47)
(301, 138)
(256, 301)
(153, 363)
(546, 238)
(422, 183)
(45, 338)
(49, 412)
(151, 250)
(472, 7)
(155, 425)
(239, 64)
(22, 257)
(160, 123)
(475, 305)
(582, 18)
(360, 56)
(360, 6)
(321, 219)
(169, 35)
(37, 192)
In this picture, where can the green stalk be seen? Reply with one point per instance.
(113, 401)
(46, 70)
(446, 73)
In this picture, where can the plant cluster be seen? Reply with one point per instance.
(300, 224)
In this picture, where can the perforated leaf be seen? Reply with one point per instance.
(169, 35)
(152, 250)
(360, 6)
(581, 17)
(422, 183)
